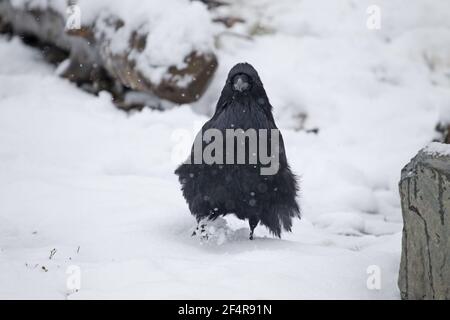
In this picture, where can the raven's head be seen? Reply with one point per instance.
(243, 85)
(243, 80)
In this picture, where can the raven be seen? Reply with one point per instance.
(214, 189)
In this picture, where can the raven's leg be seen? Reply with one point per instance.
(253, 222)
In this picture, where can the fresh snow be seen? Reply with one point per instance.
(97, 184)
(437, 148)
(186, 23)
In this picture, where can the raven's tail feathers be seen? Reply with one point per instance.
(279, 218)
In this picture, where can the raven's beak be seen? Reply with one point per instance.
(240, 82)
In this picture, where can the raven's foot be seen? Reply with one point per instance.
(253, 222)
(212, 231)
(201, 231)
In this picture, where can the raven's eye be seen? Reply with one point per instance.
(241, 82)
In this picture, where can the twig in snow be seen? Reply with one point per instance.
(52, 253)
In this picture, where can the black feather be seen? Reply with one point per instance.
(220, 189)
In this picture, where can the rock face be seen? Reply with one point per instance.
(425, 197)
(94, 57)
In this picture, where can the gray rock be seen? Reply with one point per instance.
(425, 197)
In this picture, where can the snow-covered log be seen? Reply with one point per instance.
(163, 48)
(425, 196)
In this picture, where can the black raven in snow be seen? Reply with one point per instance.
(227, 186)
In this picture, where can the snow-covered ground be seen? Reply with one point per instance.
(97, 184)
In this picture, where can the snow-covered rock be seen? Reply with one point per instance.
(165, 48)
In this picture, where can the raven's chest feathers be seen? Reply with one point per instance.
(246, 115)
(234, 187)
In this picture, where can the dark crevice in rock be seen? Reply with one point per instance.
(440, 192)
(427, 235)
(405, 293)
(50, 52)
(415, 189)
